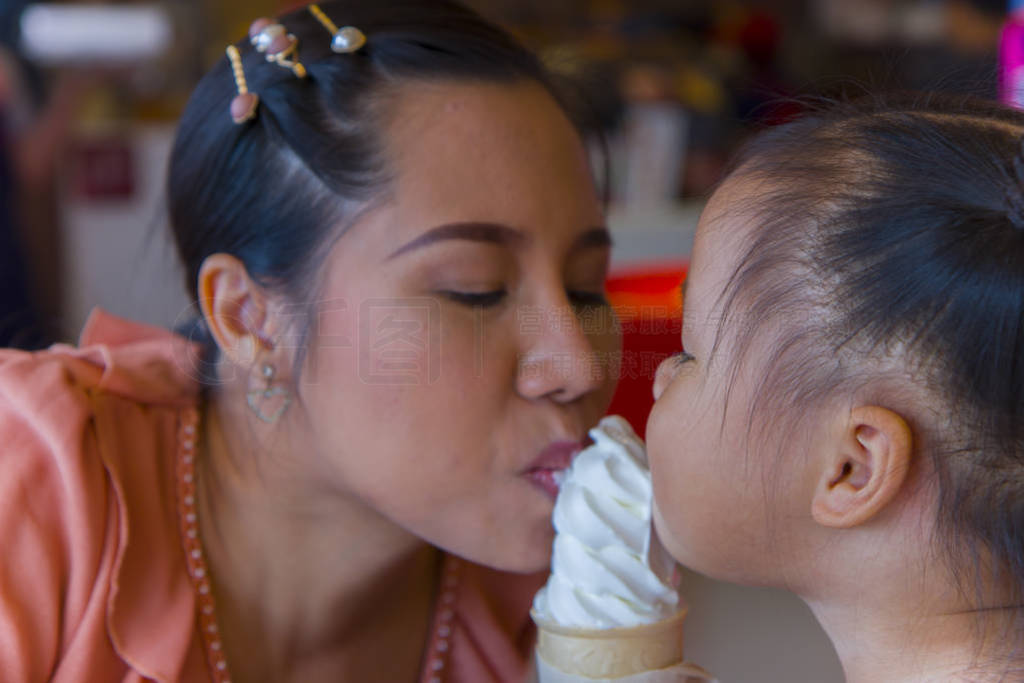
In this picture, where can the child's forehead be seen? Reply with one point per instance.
(735, 229)
(721, 234)
(729, 217)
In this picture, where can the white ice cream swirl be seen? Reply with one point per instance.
(607, 569)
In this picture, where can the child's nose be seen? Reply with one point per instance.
(667, 371)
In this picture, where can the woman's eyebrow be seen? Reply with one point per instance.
(494, 233)
(473, 231)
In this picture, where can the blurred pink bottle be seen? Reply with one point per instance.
(1011, 56)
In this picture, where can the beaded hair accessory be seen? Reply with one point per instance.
(272, 38)
(346, 39)
(243, 106)
(281, 47)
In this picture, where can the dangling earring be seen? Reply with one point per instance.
(270, 402)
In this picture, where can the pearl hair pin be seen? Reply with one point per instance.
(281, 47)
(271, 38)
(345, 40)
(244, 104)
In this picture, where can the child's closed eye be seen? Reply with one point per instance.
(682, 358)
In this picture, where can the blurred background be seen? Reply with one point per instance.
(90, 92)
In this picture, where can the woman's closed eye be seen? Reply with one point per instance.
(487, 299)
(587, 299)
(490, 298)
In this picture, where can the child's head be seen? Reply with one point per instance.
(402, 239)
(855, 398)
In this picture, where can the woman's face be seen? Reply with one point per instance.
(714, 496)
(464, 345)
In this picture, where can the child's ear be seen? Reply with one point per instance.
(865, 468)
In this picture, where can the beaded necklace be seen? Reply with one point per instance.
(444, 611)
(441, 623)
(194, 558)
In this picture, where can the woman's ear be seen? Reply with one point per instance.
(865, 468)
(235, 308)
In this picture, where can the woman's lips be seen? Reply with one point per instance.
(545, 470)
(546, 480)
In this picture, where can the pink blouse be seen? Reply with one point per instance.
(94, 581)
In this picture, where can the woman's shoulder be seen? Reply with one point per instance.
(114, 356)
(59, 404)
(89, 435)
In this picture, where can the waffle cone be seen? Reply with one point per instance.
(612, 652)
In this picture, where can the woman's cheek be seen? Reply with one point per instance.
(400, 341)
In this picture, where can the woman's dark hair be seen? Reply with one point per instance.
(275, 192)
(890, 248)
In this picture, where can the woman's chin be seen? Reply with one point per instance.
(532, 554)
(528, 565)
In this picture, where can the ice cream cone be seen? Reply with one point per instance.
(612, 652)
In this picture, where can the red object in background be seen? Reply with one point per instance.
(103, 169)
(648, 302)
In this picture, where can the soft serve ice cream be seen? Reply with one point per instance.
(607, 568)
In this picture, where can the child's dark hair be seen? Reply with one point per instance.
(276, 191)
(890, 241)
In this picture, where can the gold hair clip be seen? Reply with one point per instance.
(244, 104)
(280, 46)
(347, 39)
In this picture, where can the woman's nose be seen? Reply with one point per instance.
(560, 359)
(667, 371)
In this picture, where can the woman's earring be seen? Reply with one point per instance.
(270, 402)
